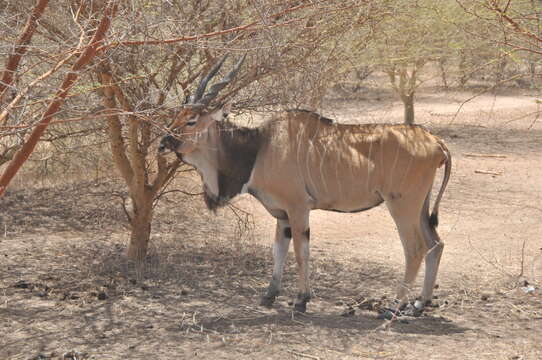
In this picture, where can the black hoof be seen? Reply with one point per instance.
(267, 301)
(301, 302)
(300, 308)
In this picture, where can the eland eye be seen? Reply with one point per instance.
(191, 122)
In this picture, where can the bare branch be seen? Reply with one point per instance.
(90, 51)
(20, 48)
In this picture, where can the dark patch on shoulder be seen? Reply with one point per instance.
(238, 149)
(213, 202)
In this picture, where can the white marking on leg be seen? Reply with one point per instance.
(418, 304)
(280, 252)
(304, 271)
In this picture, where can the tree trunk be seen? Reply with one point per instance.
(499, 71)
(463, 77)
(442, 68)
(408, 102)
(141, 230)
(130, 159)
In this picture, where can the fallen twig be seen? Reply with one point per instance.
(303, 355)
(487, 172)
(499, 156)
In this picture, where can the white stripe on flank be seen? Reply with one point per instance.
(369, 160)
(390, 175)
(322, 175)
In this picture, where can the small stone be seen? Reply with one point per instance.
(528, 289)
(349, 312)
(386, 315)
(40, 357)
(102, 295)
(22, 284)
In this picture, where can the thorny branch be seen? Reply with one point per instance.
(20, 48)
(90, 51)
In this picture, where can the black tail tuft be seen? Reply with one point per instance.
(433, 220)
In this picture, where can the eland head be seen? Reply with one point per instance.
(194, 119)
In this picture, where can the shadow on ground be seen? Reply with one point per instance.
(184, 293)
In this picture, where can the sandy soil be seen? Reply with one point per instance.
(66, 291)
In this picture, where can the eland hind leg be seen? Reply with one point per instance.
(406, 211)
(299, 221)
(432, 259)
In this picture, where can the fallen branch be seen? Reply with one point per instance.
(487, 172)
(500, 156)
(303, 355)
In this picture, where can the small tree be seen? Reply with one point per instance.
(411, 36)
(404, 82)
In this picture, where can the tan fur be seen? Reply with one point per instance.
(305, 162)
(345, 167)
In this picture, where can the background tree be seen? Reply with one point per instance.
(413, 35)
(513, 27)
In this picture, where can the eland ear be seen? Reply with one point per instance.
(226, 109)
(208, 119)
(222, 112)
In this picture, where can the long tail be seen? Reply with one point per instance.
(433, 219)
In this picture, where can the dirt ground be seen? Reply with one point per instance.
(67, 292)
